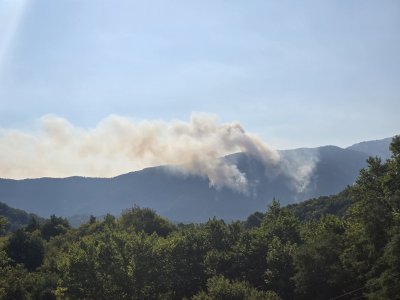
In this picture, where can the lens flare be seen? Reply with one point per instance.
(11, 14)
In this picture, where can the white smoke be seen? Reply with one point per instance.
(299, 165)
(118, 145)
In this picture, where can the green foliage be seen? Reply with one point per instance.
(281, 229)
(249, 258)
(222, 241)
(373, 222)
(32, 225)
(114, 264)
(282, 223)
(144, 219)
(312, 209)
(25, 248)
(315, 209)
(3, 222)
(187, 250)
(53, 227)
(220, 288)
(280, 267)
(17, 283)
(254, 220)
(13, 280)
(319, 272)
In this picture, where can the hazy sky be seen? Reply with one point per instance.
(297, 73)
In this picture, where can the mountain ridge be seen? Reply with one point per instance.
(189, 197)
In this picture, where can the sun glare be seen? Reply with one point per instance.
(11, 14)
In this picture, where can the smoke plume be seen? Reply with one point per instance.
(299, 166)
(119, 145)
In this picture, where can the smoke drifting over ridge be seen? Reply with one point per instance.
(118, 145)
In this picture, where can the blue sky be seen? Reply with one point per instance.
(297, 73)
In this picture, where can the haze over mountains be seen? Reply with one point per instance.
(301, 174)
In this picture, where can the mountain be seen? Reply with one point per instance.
(374, 148)
(323, 171)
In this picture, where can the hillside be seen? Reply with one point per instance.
(378, 148)
(16, 218)
(189, 197)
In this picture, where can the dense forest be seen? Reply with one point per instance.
(345, 246)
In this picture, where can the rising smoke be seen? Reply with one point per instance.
(119, 145)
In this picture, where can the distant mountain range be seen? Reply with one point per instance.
(324, 171)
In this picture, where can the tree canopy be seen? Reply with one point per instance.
(345, 246)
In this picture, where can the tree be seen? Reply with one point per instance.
(384, 281)
(17, 283)
(187, 251)
(33, 225)
(319, 272)
(282, 223)
(387, 285)
(220, 288)
(281, 229)
(254, 220)
(3, 223)
(250, 261)
(146, 220)
(113, 264)
(373, 222)
(25, 248)
(13, 280)
(280, 267)
(54, 226)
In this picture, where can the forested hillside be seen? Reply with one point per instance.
(341, 247)
(15, 218)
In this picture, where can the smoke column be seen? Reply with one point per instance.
(119, 145)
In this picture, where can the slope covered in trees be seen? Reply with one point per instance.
(16, 218)
(292, 253)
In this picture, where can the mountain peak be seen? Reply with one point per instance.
(378, 148)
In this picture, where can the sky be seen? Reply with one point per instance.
(295, 73)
